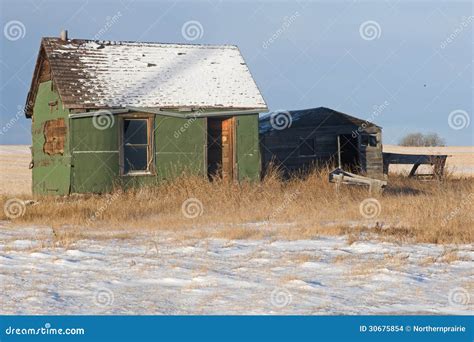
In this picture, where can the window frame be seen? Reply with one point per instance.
(150, 171)
(369, 136)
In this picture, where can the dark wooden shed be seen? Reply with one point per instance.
(300, 139)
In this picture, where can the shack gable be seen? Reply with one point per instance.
(107, 74)
(320, 116)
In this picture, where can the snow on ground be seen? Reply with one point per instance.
(154, 274)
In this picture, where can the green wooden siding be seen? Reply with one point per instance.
(51, 173)
(247, 145)
(95, 152)
(180, 146)
(90, 162)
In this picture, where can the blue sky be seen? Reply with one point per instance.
(406, 65)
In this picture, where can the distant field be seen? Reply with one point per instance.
(16, 177)
(14, 173)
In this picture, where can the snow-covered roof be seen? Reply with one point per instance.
(92, 74)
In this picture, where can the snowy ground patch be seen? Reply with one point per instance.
(155, 274)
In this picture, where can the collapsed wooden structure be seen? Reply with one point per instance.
(339, 176)
(437, 161)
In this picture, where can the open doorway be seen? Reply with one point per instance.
(220, 148)
(349, 153)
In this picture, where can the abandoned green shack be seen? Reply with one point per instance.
(108, 113)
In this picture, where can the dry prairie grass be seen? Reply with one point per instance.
(299, 208)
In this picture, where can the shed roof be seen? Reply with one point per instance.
(325, 115)
(111, 74)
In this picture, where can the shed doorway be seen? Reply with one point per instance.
(348, 153)
(220, 148)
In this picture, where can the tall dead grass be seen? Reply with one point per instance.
(299, 208)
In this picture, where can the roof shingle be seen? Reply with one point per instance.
(105, 74)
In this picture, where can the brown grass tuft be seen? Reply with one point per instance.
(299, 208)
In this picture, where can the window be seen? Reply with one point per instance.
(306, 147)
(137, 149)
(368, 140)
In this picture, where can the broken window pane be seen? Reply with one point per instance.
(368, 140)
(136, 158)
(135, 131)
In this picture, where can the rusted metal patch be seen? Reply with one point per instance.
(54, 136)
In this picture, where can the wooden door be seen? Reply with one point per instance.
(227, 150)
(220, 148)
